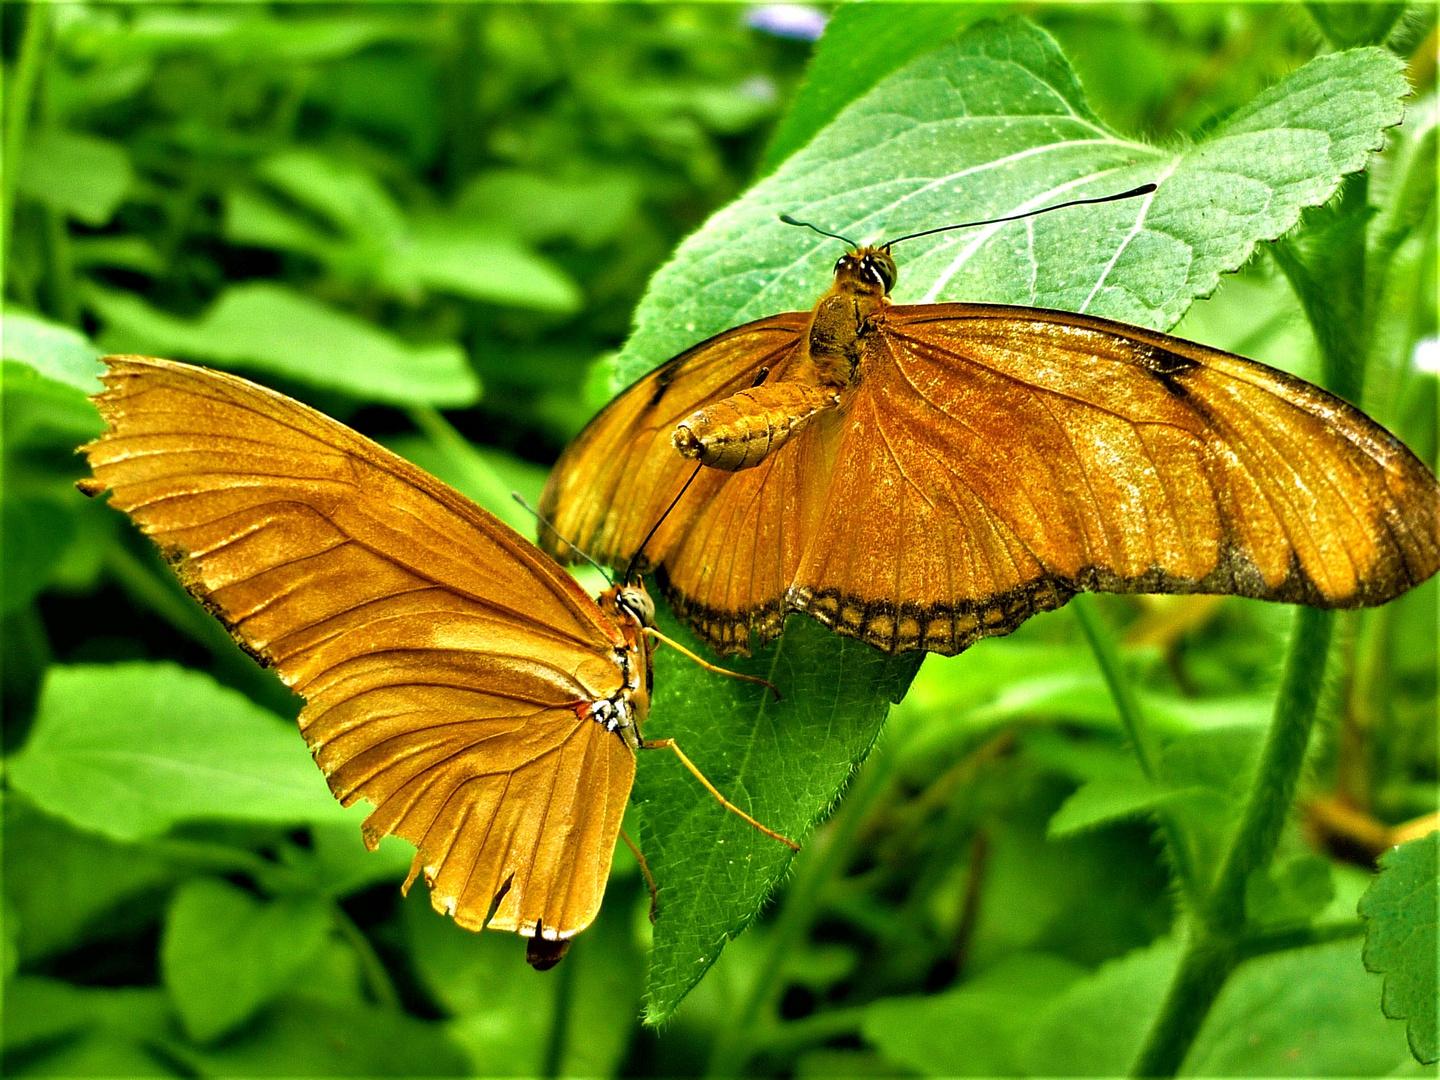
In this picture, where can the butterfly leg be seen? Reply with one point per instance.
(670, 744)
(644, 869)
(658, 636)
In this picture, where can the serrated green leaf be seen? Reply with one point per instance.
(76, 174)
(57, 352)
(974, 1029)
(996, 124)
(225, 953)
(129, 750)
(783, 762)
(1304, 1012)
(862, 44)
(269, 328)
(1400, 939)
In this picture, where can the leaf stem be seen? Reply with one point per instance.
(1273, 941)
(1139, 732)
(737, 1037)
(377, 978)
(1216, 942)
(21, 87)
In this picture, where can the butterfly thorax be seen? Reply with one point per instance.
(740, 431)
(630, 610)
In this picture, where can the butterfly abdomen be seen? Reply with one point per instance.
(741, 431)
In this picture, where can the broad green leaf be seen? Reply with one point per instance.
(1107, 800)
(1400, 942)
(274, 330)
(997, 124)
(242, 37)
(974, 1029)
(350, 198)
(129, 750)
(537, 208)
(1095, 1027)
(53, 350)
(76, 174)
(862, 44)
(66, 886)
(1305, 1012)
(226, 953)
(451, 256)
(300, 1036)
(785, 763)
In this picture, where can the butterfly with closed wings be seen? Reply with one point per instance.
(454, 676)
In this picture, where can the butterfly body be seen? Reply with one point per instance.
(742, 430)
(923, 476)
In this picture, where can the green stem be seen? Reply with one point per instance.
(63, 303)
(1132, 717)
(1273, 941)
(21, 87)
(1278, 771)
(807, 1031)
(1215, 944)
(554, 1063)
(733, 1045)
(1126, 703)
(377, 978)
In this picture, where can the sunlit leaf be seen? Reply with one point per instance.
(76, 174)
(131, 749)
(1400, 942)
(272, 329)
(997, 124)
(783, 762)
(55, 351)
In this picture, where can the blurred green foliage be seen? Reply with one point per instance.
(394, 210)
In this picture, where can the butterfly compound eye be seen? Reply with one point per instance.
(638, 603)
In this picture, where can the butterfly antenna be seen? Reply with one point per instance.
(1143, 189)
(556, 532)
(788, 220)
(635, 559)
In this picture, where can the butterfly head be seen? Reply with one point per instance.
(635, 602)
(868, 270)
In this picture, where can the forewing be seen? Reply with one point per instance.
(621, 473)
(999, 459)
(441, 656)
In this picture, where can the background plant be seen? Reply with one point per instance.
(435, 223)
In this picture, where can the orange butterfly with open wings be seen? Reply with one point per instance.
(922, 476)
(453, 675)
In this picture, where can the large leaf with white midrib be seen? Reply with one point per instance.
(989, 125)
